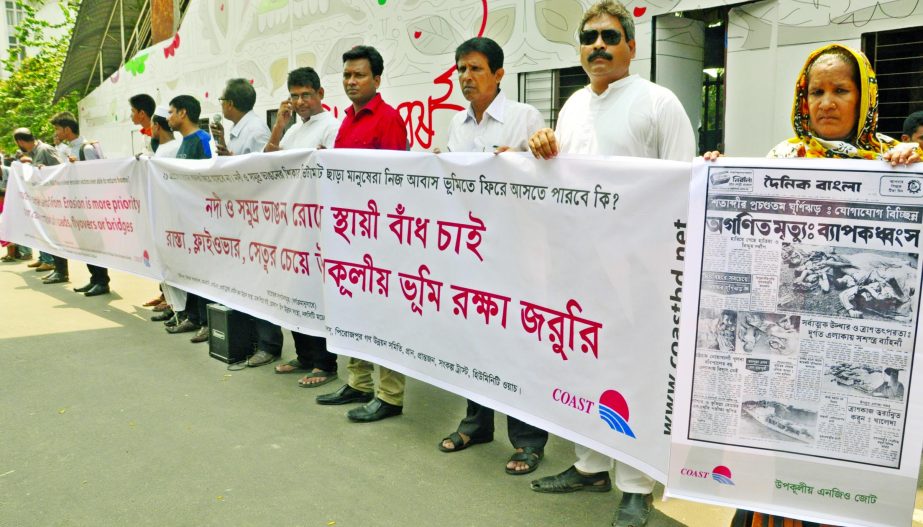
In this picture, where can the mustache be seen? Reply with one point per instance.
(599, 53)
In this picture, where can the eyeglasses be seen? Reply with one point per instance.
(305, 96)
(610, 36)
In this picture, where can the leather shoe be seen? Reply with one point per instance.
(97, 289)
(84, 289)
(56, 278)
(200, 336)
(261, 358)
(163, 317)
(44, 267)
(185, 326)
(35, 264)
(174, 320)
(345, 395)
(374, 410)
(634, 510)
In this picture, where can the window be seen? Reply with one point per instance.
(548, 90)
(897, 58)
(14, 16)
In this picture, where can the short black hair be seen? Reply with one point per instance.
(484, 46)
(66, 120)
(188, 103)
(241, 94)
(369, 53)
(304, 77)
(614, 9)
(23, 134)
(161, 122)
(144, 103)
(912, 122)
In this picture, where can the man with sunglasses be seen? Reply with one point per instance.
(618, 114)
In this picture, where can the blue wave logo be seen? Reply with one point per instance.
(613, 410)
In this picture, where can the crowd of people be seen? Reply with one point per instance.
(617, 114)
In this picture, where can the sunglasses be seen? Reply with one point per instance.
(610, 36)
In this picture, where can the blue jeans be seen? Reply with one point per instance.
(45, 258)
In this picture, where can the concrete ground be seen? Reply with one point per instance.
(108, 420)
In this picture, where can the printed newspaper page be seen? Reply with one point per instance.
(799, 340)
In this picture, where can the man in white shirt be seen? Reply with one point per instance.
(166, 142)
(624, 115)
(67, 130)
(249, 133)
(492, 123)
(317, 129)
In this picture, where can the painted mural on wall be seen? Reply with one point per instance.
(262, 40)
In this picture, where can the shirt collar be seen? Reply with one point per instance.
(320, 116)
(494, 110)
(613, 87)
(371, 106)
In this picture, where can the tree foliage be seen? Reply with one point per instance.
(26, 96)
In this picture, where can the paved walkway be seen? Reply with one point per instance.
(108, 420)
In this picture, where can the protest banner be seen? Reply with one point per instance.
(95, 211)
(799, 328)
(546, 290)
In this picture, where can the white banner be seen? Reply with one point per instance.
(799, 337)
(243, 231)
(549, 290)
(95, 211)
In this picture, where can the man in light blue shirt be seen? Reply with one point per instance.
(249, 133)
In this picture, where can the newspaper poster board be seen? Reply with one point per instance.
(799, 326)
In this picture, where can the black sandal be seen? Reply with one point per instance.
(570, 481)
(531, 456)
(458, 443)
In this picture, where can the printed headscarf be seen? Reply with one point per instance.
(867, 143)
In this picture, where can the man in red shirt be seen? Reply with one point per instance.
(369, 123)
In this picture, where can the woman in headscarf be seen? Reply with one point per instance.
(835, 115)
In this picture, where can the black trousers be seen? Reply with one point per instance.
(312, 353)
(267, 336)
(98, 275)
(197, 309)
(60, 265)
(479, 423)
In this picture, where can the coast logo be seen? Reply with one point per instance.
(147, 258)
(721, 474)
(614, 411)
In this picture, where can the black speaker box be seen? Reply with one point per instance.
(229, 335)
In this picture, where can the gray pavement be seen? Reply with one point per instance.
(107, 420)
